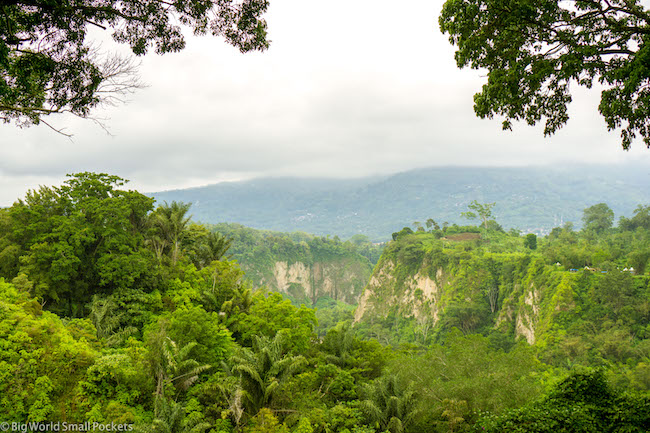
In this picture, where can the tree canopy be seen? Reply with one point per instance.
(534, 50)
(117, 313)
(598, 217)
(48, 66)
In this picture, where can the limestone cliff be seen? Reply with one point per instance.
(303, 266)
(337, 279)
(438, 286)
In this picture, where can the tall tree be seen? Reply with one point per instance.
(479, 210)
(206, 246)
(534, 50)
(80, 238)
(47, 66)
(598, 217)
(641, 218)
(172, 224)
(172, 365)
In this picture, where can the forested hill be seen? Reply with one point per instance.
(303, 267)
(527, 198)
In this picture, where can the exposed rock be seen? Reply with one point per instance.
(417, 297)
(340, 280)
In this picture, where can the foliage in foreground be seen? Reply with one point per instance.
(534, 51)
(49, 67)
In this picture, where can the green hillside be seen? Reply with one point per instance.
(133, 318)
(304, 267)
(531, 199)
(557, 293)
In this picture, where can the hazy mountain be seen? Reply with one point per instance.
(528, 198)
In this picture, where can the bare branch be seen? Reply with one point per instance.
(58, 131)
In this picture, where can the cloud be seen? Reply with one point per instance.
(346, 89)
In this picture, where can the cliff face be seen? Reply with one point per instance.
(417, 296)
(341, 279)
(303, 266)
(440, 286)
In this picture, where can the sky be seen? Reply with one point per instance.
(347, 89)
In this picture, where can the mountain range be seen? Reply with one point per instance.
(530, 199)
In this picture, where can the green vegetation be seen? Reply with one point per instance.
(561, 290)
(482, 211)
(47, 65)
(535, 51)
(583, 402)
(112, 310)
(304, 267)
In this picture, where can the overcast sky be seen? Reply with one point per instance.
(348, 88)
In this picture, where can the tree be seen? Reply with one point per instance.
(172, 227)
(641, 218)
(172, 365)
(484, 212)
(263, 369)
(598, 217)
(432, 224)
(491, 287)
(82, 238)
(104, 316)
(390, 405)
(47, 66)
(582, 402)
(206, 246)
(534, 50)
(269, 315)
(530, 241)
(171, 417)
(405, 231)
(178, 369)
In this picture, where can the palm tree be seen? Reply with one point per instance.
(339, 342)
(388, 405)
(171, 222)
(211, 247)
(107, 320)
(104, 315)
(170, 364)
(241, 301)
(177, 368)
(263, 369)
(169, 417)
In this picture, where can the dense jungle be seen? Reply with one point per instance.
(114, 310)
